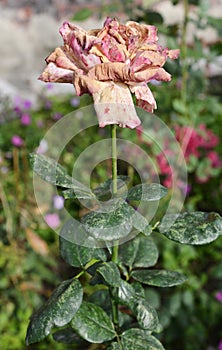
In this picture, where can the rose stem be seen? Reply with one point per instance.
(114, 189)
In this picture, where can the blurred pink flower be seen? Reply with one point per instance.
(110, 64)
(220, 345)
(193, 140)
(17, 141)
(207, 138)
(214, 159)
(165, 169)
(218, 296)
(25, 119)
(52, 220)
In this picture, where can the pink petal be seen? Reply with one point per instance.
(144, 97)
(173, 54)
(54, 74)
(80, 42)
(146, 60)
(112, 44)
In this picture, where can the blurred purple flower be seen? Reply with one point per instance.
(52, 220)
(49, 86)
(39, 124)
(25, 119)
(8, 155)
(74, 102)
(185, 187)
(57, 116)
(17, 141)
(58, 202)
(4, 169)
(218, 297)
(17, 104)
(220, 345)
(48, 104)
(27, 104)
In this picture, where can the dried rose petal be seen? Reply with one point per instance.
(110, 64)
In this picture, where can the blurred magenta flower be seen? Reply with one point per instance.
(214, 159)
(20, 104)
(52, 220)
(218, 296)
(193, 140)
(110, 64)
(199, 142)
(17, 141)
(58, 202)
(25, 119)
(220, 345)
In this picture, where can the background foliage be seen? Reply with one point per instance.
(30, 266)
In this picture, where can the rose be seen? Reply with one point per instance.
(110, 64)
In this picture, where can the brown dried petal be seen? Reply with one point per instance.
(115, 71)
(149, 74)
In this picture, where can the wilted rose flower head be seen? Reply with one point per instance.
(110, 64)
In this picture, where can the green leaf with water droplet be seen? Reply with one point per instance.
(146, 315)
(53, 172)
(147, 192)
(110, 273)
(93, 324)
(159, 278)
(139, 252)
(192, 228)
(109, 226)
(58, 310)
(138, 339)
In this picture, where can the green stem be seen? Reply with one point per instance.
(90, 263)
(115, 248)
(183, 50)
(114, 183)
(114, 158)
